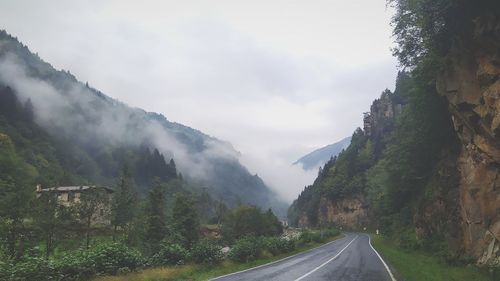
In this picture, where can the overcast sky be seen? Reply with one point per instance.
(276, 78)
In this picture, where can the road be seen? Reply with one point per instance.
(348, 259)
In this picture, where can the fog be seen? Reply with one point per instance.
(71, 110)
(277, 79)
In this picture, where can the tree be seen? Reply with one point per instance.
(249, 220)
(16, 194)
(50, 218)
(272, 224)
(185, 218)
(92, 202)
(156, 222)
(124, 205)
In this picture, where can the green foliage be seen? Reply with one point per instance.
(250, 221)
(415, 265)
(251, 248)
(156, 217)
(206, 252)
(50, 219)
(169, 254)
(124, 203)
(77, 265)
(90, 205)
(426, 29)
(185, 219)
(109, 258)
(311, 236)
(278, 245)
(400, 176)
(16, 192)
(246, 249)
(33, 268)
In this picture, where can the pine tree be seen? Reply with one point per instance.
(16, 193)
(91, 202)
(156, 222)
(124, 205)
(185, 217)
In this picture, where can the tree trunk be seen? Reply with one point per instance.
(114, 232)
(11, 242)
(47, 245)
(88, 233)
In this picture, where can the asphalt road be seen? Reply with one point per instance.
(348, 259)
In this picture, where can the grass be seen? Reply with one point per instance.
(412, 265)
(194, 272)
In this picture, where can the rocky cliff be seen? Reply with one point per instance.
(351, 212)
(471, 84)
(427, 168)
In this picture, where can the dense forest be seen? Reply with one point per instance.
(424, 164)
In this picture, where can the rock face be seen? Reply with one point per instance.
(351, 212)
(471, 83)
(378, 121)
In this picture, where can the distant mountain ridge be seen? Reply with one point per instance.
(320, 156)
(104, 133)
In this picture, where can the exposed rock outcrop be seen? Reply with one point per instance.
(351, 212)
(471, 83)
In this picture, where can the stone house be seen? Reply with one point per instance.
(70, 196)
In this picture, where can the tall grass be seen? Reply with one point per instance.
(413, 265)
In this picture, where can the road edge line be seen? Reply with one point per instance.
(323, 264)
(380, 257)
(273, 262)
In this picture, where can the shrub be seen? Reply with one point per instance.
(34, 268)
(331, 232)
(311, 236)
(5, 267)
(246, 249)
(108, 258)
(277, 245)
(169, 254)
(75, 265)
(104, 259)
(206, 252)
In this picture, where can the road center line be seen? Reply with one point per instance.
(323, 264)
(271, 263)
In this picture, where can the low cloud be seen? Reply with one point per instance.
(71, 110)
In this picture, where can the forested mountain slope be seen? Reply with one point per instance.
(71, 133)
(425, 167)
(321, 155)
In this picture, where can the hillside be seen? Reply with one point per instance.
(321, 155)
(424, 169)
(71, 133)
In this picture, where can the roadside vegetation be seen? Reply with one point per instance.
(415, 265)
(246, 253)
(164, 239)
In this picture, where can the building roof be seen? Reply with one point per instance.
(73, 188)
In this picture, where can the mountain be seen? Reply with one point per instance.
(320, 156)
(70, 132)
(424, 168)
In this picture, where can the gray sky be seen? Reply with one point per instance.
(276, 78)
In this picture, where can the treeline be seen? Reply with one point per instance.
(57, 161)
(154, 215)
(43, 239)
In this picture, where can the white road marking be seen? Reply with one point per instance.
(323, 264)
(266, 264)
(386, 267)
